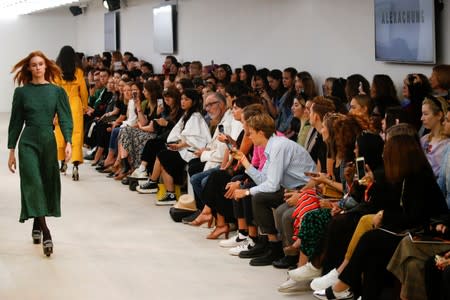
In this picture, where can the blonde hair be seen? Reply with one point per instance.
(437, 105)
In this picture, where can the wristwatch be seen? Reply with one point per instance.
(247, 193)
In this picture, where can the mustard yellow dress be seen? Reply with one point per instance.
(78, 100)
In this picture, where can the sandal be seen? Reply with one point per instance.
(202, 219)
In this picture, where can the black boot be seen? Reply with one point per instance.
(286, 262)
(275, 252)
(259, 249)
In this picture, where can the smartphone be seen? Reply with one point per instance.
(160, 102)
(221, 130)
(360, 168)
(311, 174)
(135, 95)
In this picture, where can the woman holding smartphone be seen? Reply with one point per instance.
(190, 132)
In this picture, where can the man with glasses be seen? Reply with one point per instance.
(210, 157)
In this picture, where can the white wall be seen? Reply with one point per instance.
(325, 37)
(47, 31)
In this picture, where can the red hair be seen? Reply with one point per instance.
(23, 75)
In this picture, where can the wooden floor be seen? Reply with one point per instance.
(111, 243)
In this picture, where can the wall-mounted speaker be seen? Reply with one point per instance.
(76, 10)
(111, 5)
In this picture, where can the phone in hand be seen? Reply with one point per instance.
(160, 102)
(311, 174)
(360, 168)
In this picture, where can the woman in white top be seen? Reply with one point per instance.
(189, 134)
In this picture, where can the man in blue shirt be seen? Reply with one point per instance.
(285, 168)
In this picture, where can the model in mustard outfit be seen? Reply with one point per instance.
(72, 81)
(35, 103)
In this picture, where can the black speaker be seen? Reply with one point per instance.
(75, 10)
(112, 5)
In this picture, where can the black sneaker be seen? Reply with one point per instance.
(169, 199)
(149, 187)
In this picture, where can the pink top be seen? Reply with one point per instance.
(259, 158)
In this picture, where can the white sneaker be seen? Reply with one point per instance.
(245, 245)
(292, 286)
(322, 294)
(305, 272)
(139, 174)
(233, 241)
(325, 281)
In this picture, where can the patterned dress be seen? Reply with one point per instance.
(40, 185)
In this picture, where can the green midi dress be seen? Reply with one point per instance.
(40, 185)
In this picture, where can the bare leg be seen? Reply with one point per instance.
(98, 154)
(342, 266)
(157, 169)
(168, 181)
(110, 158)
(252, 231)
(242, 224)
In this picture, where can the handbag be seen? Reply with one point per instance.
(330, 192)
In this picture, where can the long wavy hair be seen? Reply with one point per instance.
(68, 61)
(23, 74)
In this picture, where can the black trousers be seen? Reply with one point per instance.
(151, 149)
(173, 164)
(213, 195)
(263, 205)
(337, 237)
(102, 135)
(368, 264)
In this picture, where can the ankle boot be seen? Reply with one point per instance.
(275, 252)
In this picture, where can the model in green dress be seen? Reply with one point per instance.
(35, 104)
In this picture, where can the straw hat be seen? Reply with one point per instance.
(186, 202)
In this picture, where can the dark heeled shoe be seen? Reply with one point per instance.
(36, 235)
(63, 168)
(218, 231)
(47, 247)
(202, 219)
(75, 174)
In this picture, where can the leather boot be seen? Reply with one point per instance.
(274, 253)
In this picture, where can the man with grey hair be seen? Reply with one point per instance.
(211, 156)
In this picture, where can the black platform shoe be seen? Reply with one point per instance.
(75, 174)
(36, 235)
(47, 247)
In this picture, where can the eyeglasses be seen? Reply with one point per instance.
(211, 104)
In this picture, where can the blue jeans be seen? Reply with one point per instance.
(198, 182)
(113, 141)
